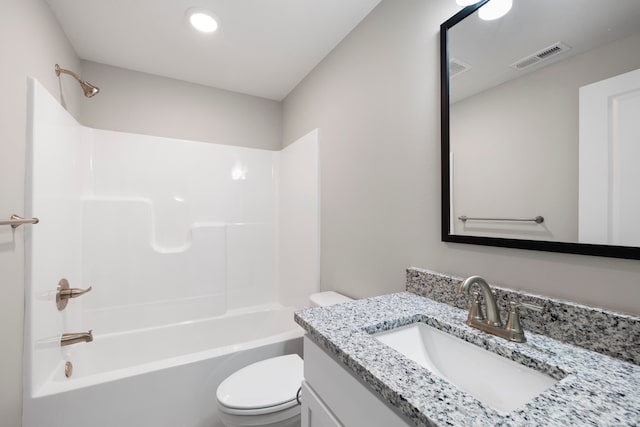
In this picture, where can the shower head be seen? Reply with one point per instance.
(88, 89)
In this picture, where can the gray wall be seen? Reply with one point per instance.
(31, 43)
(527, 129)
(130, 101)
(375, 99)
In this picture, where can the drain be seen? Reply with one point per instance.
(68, 369)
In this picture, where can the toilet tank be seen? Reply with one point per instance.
(324, 299)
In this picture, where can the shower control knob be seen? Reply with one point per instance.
(64, 293)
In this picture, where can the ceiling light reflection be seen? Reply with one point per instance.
(495, 9)
(239, 173)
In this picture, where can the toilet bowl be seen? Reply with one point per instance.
(265, 393)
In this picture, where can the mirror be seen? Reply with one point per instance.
(541, 127)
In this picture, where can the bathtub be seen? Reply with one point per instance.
(159, 377)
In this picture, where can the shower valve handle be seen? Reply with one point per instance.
(64, 293)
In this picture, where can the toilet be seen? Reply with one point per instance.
(264, 393)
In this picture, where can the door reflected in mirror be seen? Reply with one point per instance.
(540, 119)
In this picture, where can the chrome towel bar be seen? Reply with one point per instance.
(538, 219)
(16, 221)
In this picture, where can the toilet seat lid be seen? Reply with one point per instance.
(267, 383)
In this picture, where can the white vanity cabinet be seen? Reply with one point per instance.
(314, 412)
(333, 397)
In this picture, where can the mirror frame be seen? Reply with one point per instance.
(627, 252)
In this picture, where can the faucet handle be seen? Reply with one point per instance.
(65, 292)
(475, 312)
(513, 322)
(516, 305)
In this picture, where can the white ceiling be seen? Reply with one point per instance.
(262, 47)
(531, 25)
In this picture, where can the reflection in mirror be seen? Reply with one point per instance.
(543, 107)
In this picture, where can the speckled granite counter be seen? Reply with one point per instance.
(595, 389)
(605, 331)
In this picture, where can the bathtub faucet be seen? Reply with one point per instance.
(68, 339)
(65, 292)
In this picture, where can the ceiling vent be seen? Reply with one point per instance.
(542, 55)
(457, 67)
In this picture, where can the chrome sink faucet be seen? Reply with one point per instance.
(492, 323)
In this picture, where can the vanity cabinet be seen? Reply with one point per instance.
(333, 397)
(314, 412)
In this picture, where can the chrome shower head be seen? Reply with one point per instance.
(88, 89)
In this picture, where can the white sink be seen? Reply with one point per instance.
(496, 381)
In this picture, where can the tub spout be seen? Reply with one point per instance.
(68, 339)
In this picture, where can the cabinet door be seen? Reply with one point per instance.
(314, 411)
(351, 402)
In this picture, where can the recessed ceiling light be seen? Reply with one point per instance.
(202, 20)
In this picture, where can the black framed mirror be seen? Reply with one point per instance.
(539, 148)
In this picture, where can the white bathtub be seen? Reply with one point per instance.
(159, 377)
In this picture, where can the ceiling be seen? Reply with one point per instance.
(262, 47)
(490, 47)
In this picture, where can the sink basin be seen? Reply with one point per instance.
(496, 381)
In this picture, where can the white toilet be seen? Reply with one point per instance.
(264, 393)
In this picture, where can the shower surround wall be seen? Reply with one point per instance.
(165, 231)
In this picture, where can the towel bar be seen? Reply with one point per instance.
(538, 219)
(16, 221)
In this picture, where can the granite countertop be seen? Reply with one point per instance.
(594, 389)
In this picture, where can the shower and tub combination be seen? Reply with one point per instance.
(159, 267)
